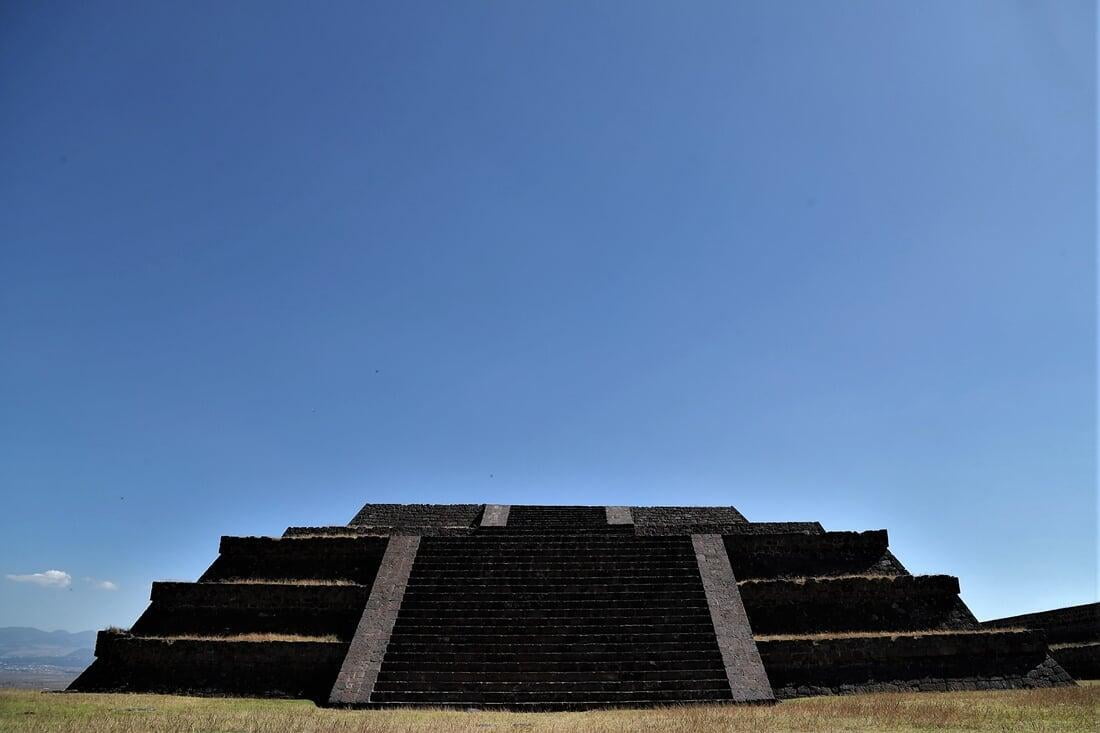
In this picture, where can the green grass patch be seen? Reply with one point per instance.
(1060, 709)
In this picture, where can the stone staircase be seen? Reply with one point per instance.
(557, 610)
(551, 519)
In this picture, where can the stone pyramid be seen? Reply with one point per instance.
(561, 607)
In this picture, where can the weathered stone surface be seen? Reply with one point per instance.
(1061, 625)
(686, 515)
(208, 667)
(358, 673)
(1082, 660)
(334, 558)
(745, 671)
(534, 616)
(619, 515)
(496, 515)
(890, 603)
(967, 660)
(342, 531)
(224, 609)
(802, 554)
(726, 528)
(557, 517)
(418, 515)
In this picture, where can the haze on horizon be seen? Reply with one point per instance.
(261, 263)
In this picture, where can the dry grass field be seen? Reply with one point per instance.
(1065, 709)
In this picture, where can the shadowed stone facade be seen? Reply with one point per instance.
(1073, 634)
(359, 671)
(561, 607)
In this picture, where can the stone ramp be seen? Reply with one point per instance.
(747, 678)
(359, 670)
(536, 618)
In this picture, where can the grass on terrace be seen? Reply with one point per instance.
(877, 634)
(1061, 709)
(328, 638)
(803, 579)
(1073, 645)
(282, 581)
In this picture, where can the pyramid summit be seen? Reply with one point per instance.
(561, 607)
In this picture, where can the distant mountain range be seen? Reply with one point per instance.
(21, 646)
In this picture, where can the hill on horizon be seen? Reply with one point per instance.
(27, 646)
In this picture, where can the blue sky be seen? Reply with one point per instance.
(263, 262)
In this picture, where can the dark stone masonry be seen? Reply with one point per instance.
(570, 607)
(1073, 634)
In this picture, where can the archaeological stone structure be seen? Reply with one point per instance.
(561, 607)
(1073, 634)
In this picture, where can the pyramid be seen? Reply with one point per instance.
(561, 607)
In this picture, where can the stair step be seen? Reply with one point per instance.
(657, 656)
(599, 538)
(455, 675)
(563, 551)
(562, 581)
(558, 565)
(578, 703)
(537, 614)
(535, 687)
(698, 614)
(554, 666)
(418, 626)
(511, 529)
(575, 602)
(561, 584)
(519, 697)
(555, 560)
(619, 547)
(534, 646)
(536, 592)
(460, 570)
(597, 637)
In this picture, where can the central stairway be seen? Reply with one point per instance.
(554, 519)
(557, 610)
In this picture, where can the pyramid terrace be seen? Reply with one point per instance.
(561, 607)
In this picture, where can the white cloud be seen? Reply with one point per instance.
(102, 584)
(46, 579)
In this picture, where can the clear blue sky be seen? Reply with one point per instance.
(263, 262)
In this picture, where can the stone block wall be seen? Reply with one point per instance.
(221, 609)
(295, 669)
(900, 603)
(1082, 660)
(1073, 633)
(319, 558)
(1071, 624)
(419, 515)
(363, 530)
(966, 661)
(686, 515)
(750, 528)
(810, 555)
(258, 595)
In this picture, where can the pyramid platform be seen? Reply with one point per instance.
(561, 607)
(1072, 632)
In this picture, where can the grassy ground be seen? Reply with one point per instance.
(1064, 709)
